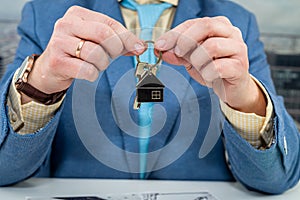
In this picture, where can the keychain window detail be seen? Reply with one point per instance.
(156, 95)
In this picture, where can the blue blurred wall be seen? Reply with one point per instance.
(11, 9)
(275, 16)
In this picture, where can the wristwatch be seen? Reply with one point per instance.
(24, 87)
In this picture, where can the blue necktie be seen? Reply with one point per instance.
(148, 16)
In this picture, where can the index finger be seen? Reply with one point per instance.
(131, 42)
(195, 31)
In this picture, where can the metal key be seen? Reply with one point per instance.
(149, 88)
(141, 69)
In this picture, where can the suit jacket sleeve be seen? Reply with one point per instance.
(276, 169)
(22, 156)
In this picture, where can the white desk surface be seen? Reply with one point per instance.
(95, 187)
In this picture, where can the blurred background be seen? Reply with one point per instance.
(280, 31)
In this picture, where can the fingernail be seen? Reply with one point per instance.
(177, 51)
(160, 44)
(139, 47)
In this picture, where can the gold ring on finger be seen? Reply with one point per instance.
(189, 67)
(79, 48)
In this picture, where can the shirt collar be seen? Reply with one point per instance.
(173, 2)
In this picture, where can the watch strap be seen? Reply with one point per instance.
(38, 95)
(23, 86)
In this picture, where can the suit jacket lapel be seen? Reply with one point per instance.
(187, 10)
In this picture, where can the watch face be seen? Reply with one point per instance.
(23, 68)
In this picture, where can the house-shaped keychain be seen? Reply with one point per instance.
(149, 89)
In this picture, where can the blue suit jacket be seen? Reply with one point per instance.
(72, 145)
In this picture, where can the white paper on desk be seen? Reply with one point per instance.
(140, 196)
(164, 196)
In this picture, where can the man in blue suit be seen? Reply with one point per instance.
(220, 99)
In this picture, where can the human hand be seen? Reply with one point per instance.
(215, 55)
(104, 38)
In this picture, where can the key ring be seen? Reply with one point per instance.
(157, 62)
